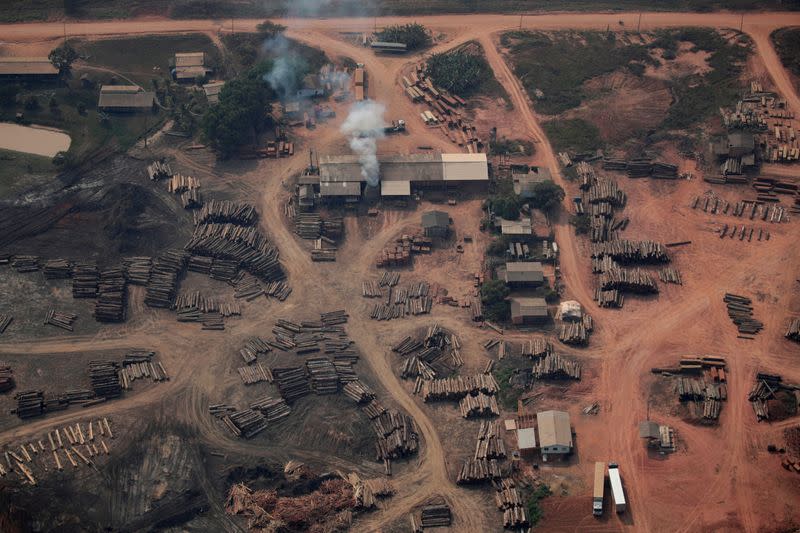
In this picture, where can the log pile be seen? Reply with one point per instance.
(29, 404)
(400, 254)
(137, 269)
(6, 378)
(60, 320)
(308, 225)
(139, 365)
(253, 374)
(370, 289)
(604, 190)
(389, 279)
(358, 392)
(764, 396)
(57, 269)
(414, 367)
(25, 263)
(536, 347)
(455, 388)
(628, 279)
(478, 471)
(226, 211)
(112, 296)
(292, 382)
(436, 516)
(253, 347)
(610, 298)
(159, 170)
(272, 408)
(396, 436)
(627, 252)
(670, 275)
(323, 377)
(162, 285)
(246, 423)
(104, 377)
(239, 243)
(85, 280)
(490, 444)
(5, 321)
(179, 183)
(573, 333)
(191, 199)
(740, 311)
(555, 366)
(509, 500)
(792, 333)
(478, 406)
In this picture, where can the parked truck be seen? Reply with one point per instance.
(599, 488)
(616, 487)
(397, 126)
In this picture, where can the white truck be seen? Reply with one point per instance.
(616, 487)
(599, 488)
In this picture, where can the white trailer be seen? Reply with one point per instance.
(616, 487)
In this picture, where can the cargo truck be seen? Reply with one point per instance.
(616, 487)
(599, 487)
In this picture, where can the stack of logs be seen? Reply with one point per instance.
(225, 211)
(272, 408)
(25, 263)
(436, 516)
(159, 170)
(137, 269)
(163, 281)
(104, 376)
(400, 254)
(575, 332)
(60, 320)
(85, 280)
(57, 269)
(765, 394)
(555, 366)
(455, 388)
(112, 293)
(5, 321)
(478, 405)
(510, 501)
(792, 333)
(740, 311)
(6, 378)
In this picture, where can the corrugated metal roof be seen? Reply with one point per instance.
(142, 100)
(554, 429)
(212, 91)
(27, 66)
(465, 167)
(431, 219)
(120, 89)
(190, 59)
(395, 188)
(516, 227)
(343, 188)
(533, 307)
(190, 72)
(526, 438)
(524, 271)
(649, 430)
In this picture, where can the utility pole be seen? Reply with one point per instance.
(639, 24)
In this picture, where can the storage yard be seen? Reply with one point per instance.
(259, 341)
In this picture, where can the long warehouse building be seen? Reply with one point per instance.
(340, 175)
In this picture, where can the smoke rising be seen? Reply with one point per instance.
(286, 66)
(364, 126)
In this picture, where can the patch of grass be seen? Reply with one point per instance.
(507, 146)
(16, 169)
(136, 57)
(574, 135)
(554, 66)
(787, 43)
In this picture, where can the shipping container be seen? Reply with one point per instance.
(616, 487)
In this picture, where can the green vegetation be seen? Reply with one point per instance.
(532, 503)
(505, 205)
(507, 394)
(246, 50)
(240, 114)
(699, 96)
(413, 35)
(14, 165)
(505, 146)
(493, 296)
(581, 223)
(575, 135)
(464, 71)
(787, 43)
(63, 57)
(547, 196)
(149, 56)
(103, 9)
(558, 64)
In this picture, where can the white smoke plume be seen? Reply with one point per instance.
(364, 125)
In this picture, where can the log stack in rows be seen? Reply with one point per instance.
(246, 423)
(104, 376)
(25, 263)
(57, 269)
(272, 408)
(478, 471)
(626, 252)
(396, 436)
(112, 296)
(5, 321)
(510, 501)
(223, 211)
(60, 320)
(85, 280)
(292, 382)
(555, 366)
(740, 311)
(29, 403)
(455, 388)
(162, 285)
(6, 378)
(436, 516)
(137, 269)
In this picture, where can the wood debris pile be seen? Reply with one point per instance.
(700, 383)
(772, 398)
(400, 254)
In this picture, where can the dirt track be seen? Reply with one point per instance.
(721, 475)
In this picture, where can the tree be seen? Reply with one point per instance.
(505, 205)
(31, 103)
(581, 222)
(547, 196)
(63, 57)
(239, 115)
(8, 95)
(413, 35)
(493, 296)
(269, 29)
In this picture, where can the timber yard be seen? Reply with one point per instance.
(330, 269)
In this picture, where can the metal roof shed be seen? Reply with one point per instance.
(27, 66)
(526, 438)
(190, 59)
(528, 310)
(516, 227)
(340, 188)
(465, 167)
(523, 272)
(555, 433)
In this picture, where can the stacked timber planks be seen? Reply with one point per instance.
(555, 366)
(85, 280)
(57, 269)
(740, 311)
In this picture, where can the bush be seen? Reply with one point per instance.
(506, 146)
(547, 196)
(459, 72)
(507, 394)
(532, 503)
(63, 57)
(497, 247)
(493, 297)
(31, 103)
(582, 223)
(413, 35)
(787, 43)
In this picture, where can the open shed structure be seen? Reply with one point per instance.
(555, 433)
(32, 68)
